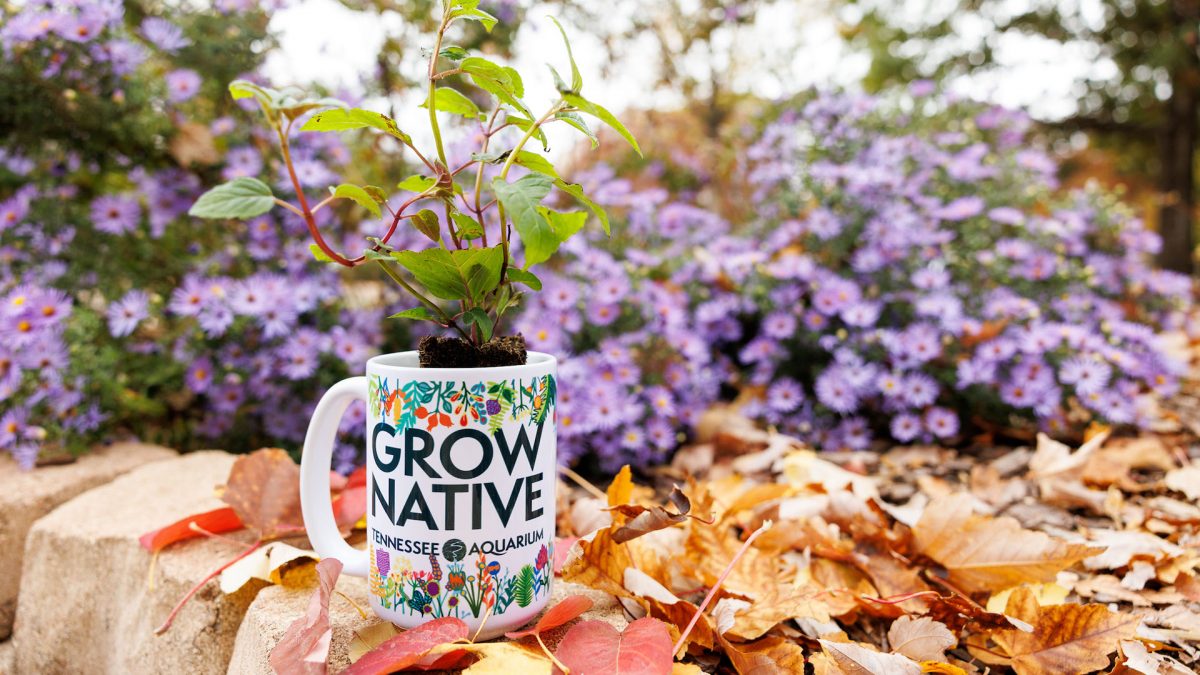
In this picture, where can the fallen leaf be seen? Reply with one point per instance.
(369, 638)
(643, 520)
(568, 609)
(410, 647)
(686, 669)
(562, 548)
(304, 647)
(1186, 480)
(921, 639)
(766, 656)
(620, 490)
(1052, 458)
(725, 613)
(1139, 659)
(1065, 638)
(989, 554)
(803, 468)
(601, 564)
(1117, 548)
(596, 648)
(1046, 594)
(645, 586)
(264, 490)
(193, 144)
(266, 563)
(217, 521)
(941, 667)
(496, 658)
(855, 659)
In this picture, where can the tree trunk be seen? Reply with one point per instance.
(1177, 178)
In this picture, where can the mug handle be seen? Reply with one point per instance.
(315, 465)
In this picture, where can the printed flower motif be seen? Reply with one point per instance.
(543, 557)
(383, 561)
(493, 407)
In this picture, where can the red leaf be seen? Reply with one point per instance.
(570, 608)
(409, 647)
(596, 648)
(264, 490)
(304, 648)
(350, 506)
(562, 546)
(216, 521)
(357, 478)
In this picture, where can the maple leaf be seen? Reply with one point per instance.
(855, 659)
(304, 648)
(989, 554)
(264, 490)
(1065, 638)
(596, 648)
(920, 639)
(765, 656)
(409, 648)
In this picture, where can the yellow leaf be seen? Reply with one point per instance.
(268, 563)
(921, 639)
(941, 667)
(1046, 594)
(852, 658)
(369, 638)
(620, 491)
(686, 669)
(501, 658)
(989, 554)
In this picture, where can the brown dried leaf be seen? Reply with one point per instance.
(601, 564)
(852, 658)
(985, 554)
(1065, 638)
(644, 520)
(193, 144)
(767, 656)
(264, 489)
(304, 648)
(1139, 659)
(921, 639)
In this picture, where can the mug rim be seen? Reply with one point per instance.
(387, 362)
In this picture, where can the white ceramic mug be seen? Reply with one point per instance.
(460, 489)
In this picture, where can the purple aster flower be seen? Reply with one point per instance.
(115, 215)
(785, 395)
(779, 325)
(1089, 375)
(905, 427)
(919, 390)
(835, 392)
(960, 209)
(182, 84)
(941, 422)
(163, 34)
(861, 314)
(125, 314)
(602, 315)
(200, 376)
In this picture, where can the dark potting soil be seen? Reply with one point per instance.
(452, 352)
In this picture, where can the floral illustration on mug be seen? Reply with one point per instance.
(461, 589)
(438, 403)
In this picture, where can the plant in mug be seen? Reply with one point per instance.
(473, 272)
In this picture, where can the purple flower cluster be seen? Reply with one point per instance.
(919, 270)
(35, 386)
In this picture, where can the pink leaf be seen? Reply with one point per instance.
(596, 648)
(408, 648)
(304, 648)
(570, 608)
(562, 546)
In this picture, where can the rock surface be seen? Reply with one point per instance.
(86, 602)
(26, 496)
(277, 607)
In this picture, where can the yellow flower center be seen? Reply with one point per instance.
(24, 326)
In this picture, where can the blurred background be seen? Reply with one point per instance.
(790, 146)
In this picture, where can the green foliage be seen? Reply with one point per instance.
(239, 198)
(523, 592)
(472, 263)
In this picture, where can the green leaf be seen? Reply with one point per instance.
(453, 101)
(480, 318)
(240, 89)
(372, 254)
(376, 193)
(573, 119)
(455, 275)
(359, 196)
(489, 22)
(319, 254)
(535, 162)
(601, 113)
(354, 118)
(524, 124)
(239, 198)
(502, 82)
(576, 191)
(576, 78)
(491, 157)
(421, 313)
(564, 225)
(521, 199)
(468, 227)
(453, 53)
(426, 222)
(416, 183)
(525, 277)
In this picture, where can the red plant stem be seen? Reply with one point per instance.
(195, 589)
(309, 221)
(766, 525)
